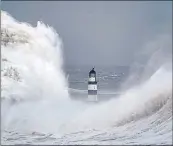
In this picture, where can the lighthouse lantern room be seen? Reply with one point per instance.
(92, 86)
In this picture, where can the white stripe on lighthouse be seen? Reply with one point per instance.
(92, 87)
(92, 79)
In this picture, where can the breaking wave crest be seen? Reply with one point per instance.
(31, 61)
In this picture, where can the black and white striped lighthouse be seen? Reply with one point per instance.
(92, 86)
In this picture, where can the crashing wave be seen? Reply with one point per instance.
(31, 59)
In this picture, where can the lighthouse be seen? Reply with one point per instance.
(92, 86)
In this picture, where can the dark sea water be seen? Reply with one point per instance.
(110, 80)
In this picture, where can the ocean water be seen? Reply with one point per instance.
(43, 101)
(109, 80)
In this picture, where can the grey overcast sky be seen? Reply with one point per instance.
(98, 32)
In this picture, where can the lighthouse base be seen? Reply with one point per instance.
(92, 98)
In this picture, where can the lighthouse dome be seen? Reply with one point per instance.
(92, 73)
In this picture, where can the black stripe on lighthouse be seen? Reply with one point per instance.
(92, 92)
(92, 83)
